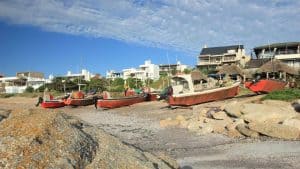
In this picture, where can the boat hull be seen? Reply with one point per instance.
(119, 102)
(80, 102)
(204, 96)
(265, 85)
(52, 104)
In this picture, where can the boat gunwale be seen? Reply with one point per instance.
(206, 91)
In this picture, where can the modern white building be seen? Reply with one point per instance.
(22, 80)
(84, 74)
(168, 68)
(287, 52)
(145, 71)
(112, 74)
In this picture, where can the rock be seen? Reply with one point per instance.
(292, 122)
(202, 113)
(231, 128)
(4, 114)
(169, 123)
(193, 125)
(47, 139)
(220, 116)
(277, 103)
(218, 126)
(265, 113)
(205, 129)
(243, 129)
(275, 130)
(233, 109)
(180, 118)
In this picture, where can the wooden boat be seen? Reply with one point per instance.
(120, 102)
(80, 102)
(265, 85)
(185, 92)
(53, 104)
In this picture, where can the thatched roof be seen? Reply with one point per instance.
(277, 66)
(230, 70)
(197, 75)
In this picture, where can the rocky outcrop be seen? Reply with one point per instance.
(47, 139)
(275, 130)
(244, 129)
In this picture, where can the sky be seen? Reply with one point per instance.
(54, 36)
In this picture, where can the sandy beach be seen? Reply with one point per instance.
(138, 125)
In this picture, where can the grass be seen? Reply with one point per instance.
(284, 95)
(244, 91)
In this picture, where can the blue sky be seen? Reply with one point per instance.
(54, 36)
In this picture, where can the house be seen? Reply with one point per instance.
(169, 68)
(111, 74)
(146, 71)
(22, 80)
(83, 75)
(211, 57)
(287, 52)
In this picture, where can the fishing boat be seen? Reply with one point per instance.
(53, 104)
(265, 85)
(110, 103)
(187, 90)
(49, 102)
(79, 99)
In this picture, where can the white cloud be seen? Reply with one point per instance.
(179, 24)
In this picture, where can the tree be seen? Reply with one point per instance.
(187, 71)
(98, 84)
(29, 89)
(134, 83)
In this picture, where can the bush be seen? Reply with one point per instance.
(29, 89)
(6, 95)
(285, 95)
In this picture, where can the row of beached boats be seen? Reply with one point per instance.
(185, 90)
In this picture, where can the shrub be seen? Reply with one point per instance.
(285, 95)
(29, 89)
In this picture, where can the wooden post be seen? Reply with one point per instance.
(267, 75)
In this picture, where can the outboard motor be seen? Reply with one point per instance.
(40, 100)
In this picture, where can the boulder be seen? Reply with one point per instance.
(265, 113)
(275, 130)
(193, 125)
(203, 113)
(218, 126)
(277, 103)
(180, 118)
(231, 128)
(205, 128)
(292, 122)
(233, 109)
(221, 115)
(169, 123)
(243, 129)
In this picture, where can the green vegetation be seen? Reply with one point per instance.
(161, 83)
(244, 91)
(6, 95)
(29, 89)
(285, 95)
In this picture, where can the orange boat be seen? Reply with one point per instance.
(265, 85)
(185, 92)
(120, 102)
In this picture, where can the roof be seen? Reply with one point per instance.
(220, 50)
(277, 66)
(230, 69)
(197, 75)
(277, 45)
(256, 63)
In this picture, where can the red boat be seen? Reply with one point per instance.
(265, 85)
(120, 102)
(187, 91)
(80, 102)
(52, 104)
(189, 99)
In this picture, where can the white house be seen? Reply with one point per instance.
(145, 71)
